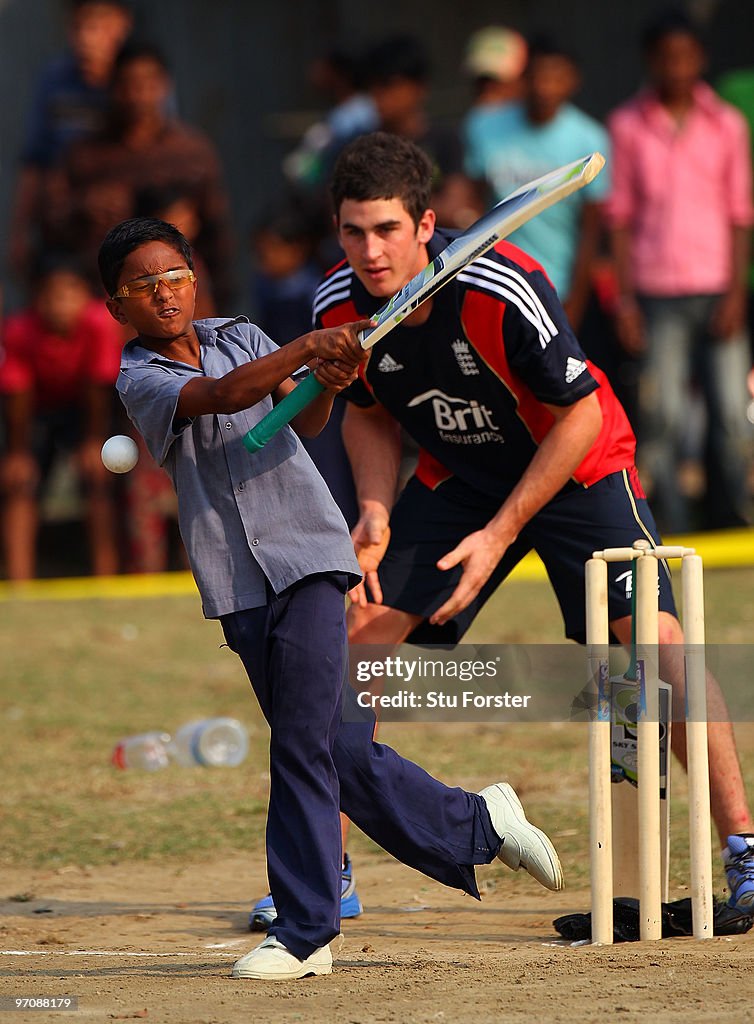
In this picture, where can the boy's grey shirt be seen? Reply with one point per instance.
(245, 519)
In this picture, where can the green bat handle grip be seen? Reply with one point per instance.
(283, 413)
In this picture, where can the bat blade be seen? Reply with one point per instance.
(499, 222)
(519, 207)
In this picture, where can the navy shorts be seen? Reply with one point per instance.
(427, 524)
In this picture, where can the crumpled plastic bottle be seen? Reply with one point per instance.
(147, 751)
(212, 742)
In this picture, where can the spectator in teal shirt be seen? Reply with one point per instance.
(512, 143)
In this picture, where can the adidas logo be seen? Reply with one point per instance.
(574, 368)
(388, 365)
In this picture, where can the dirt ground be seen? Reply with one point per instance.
(157, 943)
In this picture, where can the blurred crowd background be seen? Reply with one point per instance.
(225, 119)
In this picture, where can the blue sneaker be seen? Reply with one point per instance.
(738, 857)
(264, 913)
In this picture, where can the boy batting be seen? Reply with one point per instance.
(273, 560)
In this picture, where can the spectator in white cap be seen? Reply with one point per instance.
(495, 60)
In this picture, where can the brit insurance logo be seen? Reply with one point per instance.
(458, 420)
(464, 358)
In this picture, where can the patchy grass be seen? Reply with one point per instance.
(77, 676)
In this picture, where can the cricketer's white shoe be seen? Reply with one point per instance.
(271, 961)
(524, 845)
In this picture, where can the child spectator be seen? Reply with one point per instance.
(58, 366)
(287, 276)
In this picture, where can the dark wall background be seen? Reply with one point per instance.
(240, 65)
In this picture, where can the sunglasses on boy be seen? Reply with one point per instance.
(144, 287)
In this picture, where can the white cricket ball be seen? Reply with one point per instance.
(120, 453)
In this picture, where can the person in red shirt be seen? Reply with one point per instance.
(58, 363)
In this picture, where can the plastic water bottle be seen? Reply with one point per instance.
(213, 742)
(147, 751)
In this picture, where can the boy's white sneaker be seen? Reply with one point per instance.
(524, 845)
(271, 961)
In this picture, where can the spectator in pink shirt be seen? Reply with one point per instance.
(680, 214)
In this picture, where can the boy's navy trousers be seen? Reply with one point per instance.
(322, 761)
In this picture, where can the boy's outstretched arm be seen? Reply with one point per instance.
(271, 375)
